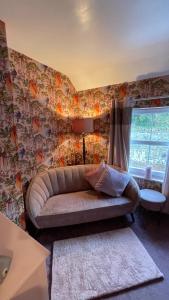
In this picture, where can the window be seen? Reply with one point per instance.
(149, 141)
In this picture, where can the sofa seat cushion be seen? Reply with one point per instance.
(80, 207)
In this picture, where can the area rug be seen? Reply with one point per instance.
(91, 266)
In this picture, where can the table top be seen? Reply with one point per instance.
(152, 196)
(27, 255)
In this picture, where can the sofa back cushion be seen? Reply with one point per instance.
(69, 179)
(55, 181)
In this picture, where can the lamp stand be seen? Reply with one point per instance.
(84, 150)
(83, 126)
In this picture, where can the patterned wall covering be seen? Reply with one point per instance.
(11, 201)
(149, 184)
(97, 103)
(43, 108)
(37, 106)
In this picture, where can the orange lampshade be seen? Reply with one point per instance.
(82, 125)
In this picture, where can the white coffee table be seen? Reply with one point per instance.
(152, 200)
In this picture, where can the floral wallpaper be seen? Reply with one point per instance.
(11, 199)
(37, 105)
(97, 103)
(149, 184)
(42, 108)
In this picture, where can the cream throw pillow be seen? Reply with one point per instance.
(93, 176)
(112, 182)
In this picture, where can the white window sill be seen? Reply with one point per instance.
(152, 179)
(140, 173)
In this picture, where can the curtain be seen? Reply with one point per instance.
(119, 140)
(165, 186)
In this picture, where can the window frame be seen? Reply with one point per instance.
(140, 172)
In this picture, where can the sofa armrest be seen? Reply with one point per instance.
(132, 191)
(35, 200)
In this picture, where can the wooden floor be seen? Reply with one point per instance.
(153, 235)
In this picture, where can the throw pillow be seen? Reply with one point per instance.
(93, 176)
(112, 182)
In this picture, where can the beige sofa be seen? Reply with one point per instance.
(62, 196)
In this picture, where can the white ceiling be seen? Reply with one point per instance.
(94, 42)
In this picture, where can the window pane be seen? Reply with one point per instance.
(139, 156)
(141, 127)
(158, 157)
(142, 156)
(149, 125)
(160, 129)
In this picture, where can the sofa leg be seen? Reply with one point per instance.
(132, 217)
(31, 229)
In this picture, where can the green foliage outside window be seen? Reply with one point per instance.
(149, 127)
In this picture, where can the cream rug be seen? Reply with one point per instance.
(96, 265)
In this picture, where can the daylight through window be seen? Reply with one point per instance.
(149, 141)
